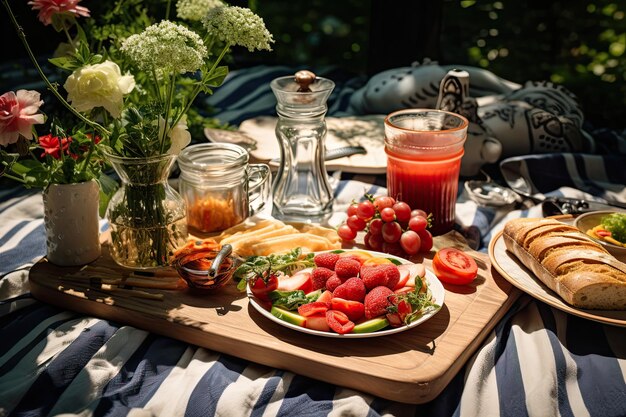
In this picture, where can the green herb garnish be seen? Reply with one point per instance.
(291, 300)
(287, 263)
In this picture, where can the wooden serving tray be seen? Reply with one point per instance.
(412, 366)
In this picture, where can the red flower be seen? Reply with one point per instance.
(48, 8)
(96, 140)
(52, 147)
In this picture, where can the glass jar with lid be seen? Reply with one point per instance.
(220, 187)
(301, 190)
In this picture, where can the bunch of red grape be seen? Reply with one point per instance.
(391, 226)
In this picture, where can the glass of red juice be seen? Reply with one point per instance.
(424, 149)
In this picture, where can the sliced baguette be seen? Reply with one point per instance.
(578, 269)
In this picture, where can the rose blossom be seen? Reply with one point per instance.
(48, 8)
(99, 85)
(51, 146)
(18, 112)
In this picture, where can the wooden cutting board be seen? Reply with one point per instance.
(411, 367)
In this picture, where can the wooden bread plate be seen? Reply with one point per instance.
(411, 367)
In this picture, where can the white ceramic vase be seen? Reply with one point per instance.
(72, 223)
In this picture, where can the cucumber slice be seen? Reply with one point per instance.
(371, 325)
(289, 316)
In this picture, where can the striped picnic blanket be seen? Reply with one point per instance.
(538, 361)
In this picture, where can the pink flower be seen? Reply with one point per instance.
(48, 8)
(52, 147)
(18, 112)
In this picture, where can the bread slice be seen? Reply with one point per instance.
(570, 263)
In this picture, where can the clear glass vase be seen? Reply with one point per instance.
(147, 216)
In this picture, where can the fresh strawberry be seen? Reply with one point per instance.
(347, 268)
(373, 276)
(312, 309)
(326, 260)
(377, 301)
(352, 289)
(319, 277)
(353, 309)
(392, 273)
(333, 282)
(339, 322)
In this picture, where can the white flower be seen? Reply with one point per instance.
(238, 26)
(195, 10)
(99, 85)
(166, 48)
(179, 135)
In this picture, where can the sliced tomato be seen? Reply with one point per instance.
(339, 322)
(353, 309)
(261, 289)
(454, 266)
(313, 309)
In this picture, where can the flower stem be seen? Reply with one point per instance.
(168, 108)
(167, 9)
(196, 90)
(67, 33)
(88, 157)
(51, 87)
(11, 177)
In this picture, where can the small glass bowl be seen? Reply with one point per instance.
(194, 269)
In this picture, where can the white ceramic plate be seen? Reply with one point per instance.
(435, 286)
(517, 274)
(590, 220)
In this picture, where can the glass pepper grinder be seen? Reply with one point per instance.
(301, 190)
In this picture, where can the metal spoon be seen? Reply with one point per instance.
(219, 258)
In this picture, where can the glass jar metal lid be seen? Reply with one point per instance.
(210, 159)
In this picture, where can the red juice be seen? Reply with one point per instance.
(424, 150)
(428, 185)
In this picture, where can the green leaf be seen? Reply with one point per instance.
(64, 62)
(108, 186)
(216, 78)
(418, 283)
(289, 300)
